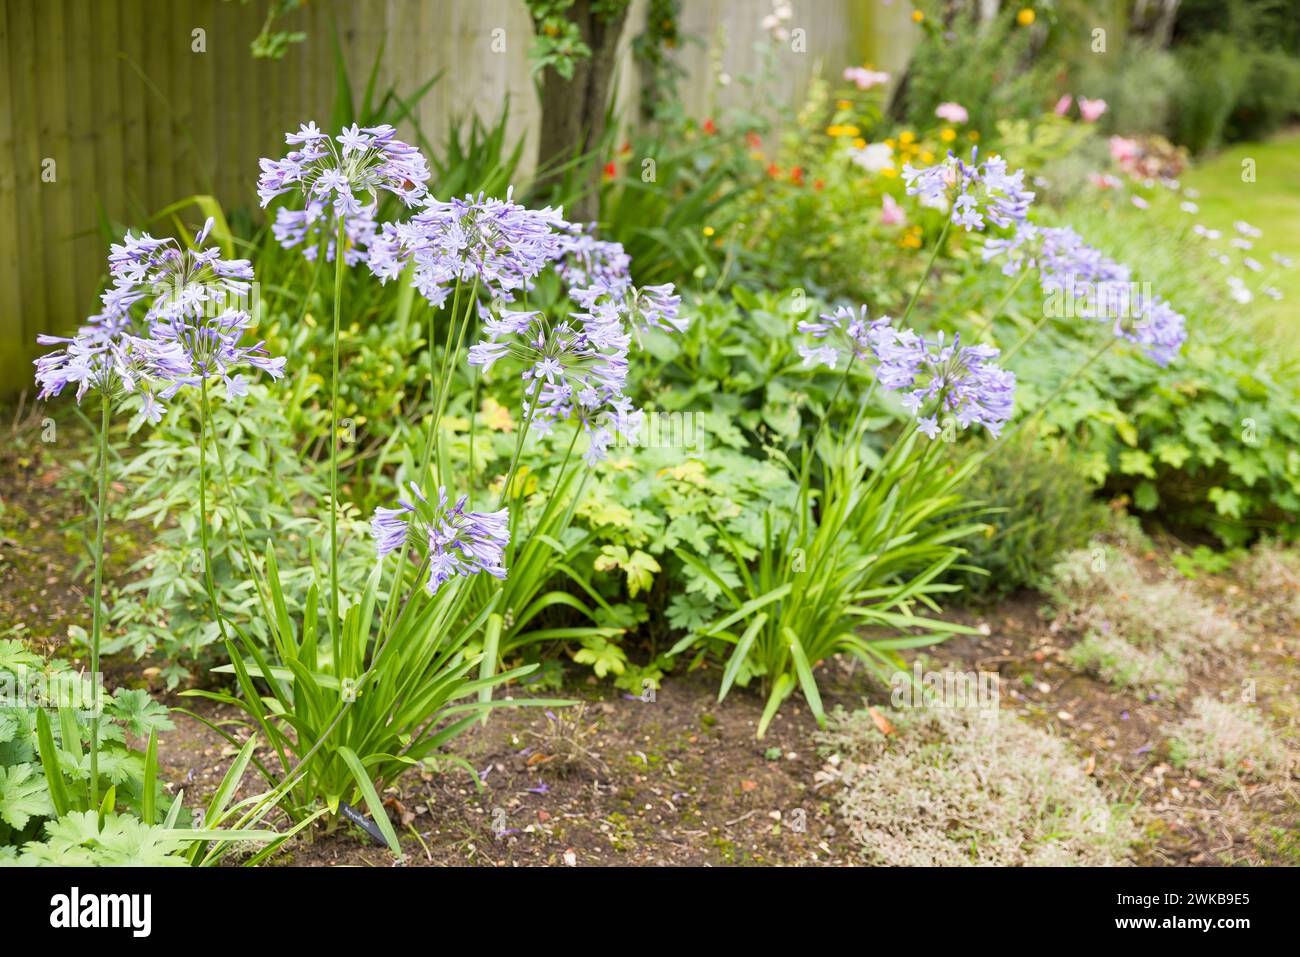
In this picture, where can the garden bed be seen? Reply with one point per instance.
(683, 780)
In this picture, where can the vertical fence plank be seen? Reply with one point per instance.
(14, 349)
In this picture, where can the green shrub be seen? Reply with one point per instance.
(1036, 504)
(1215, 73)
(1268, 98)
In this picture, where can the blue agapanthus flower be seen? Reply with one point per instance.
(1095, 286)
(318, 223)
(359, 162)
(458, 542)
(107, 360)
(973, 192)
(842, 331)
(961, 381)
(574, 368)
(585, 262)
(497, 242)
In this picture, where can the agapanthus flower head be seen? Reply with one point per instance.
(341, 170)
(941, 378)
(211, 346)
(641, 308)
(1150, 322)
(973, 191)
(497, 242)
(583, 261)
(318, 223)
(111, 362)
(458, 541)
(574, 368)
(844, 331)
(173, 280)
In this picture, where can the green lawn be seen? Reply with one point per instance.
(1271, 203)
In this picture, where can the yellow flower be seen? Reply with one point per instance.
(708, 230)
(496, 416)
(927, 157)
(948, 135)
(905, 137)
(1025, 17)
(843, 105)
(917, 16)
(888, 171)
(860, 143)
(973, 135)
(890, 143)
(839, 129)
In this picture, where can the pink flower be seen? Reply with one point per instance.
(864, 78)
(1123, 150)
(1091, 109)
(952, 112)
(891, 214)
(1063, 105)
(1103, 180)
(1139, 202)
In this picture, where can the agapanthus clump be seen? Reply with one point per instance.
(339, 170)
(495, 242)
(317, 224)
(972, 191)
(458, 542)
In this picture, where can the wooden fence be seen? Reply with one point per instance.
(112, 109)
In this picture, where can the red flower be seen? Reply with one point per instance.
(796, 175)
(754, 141)
(610, 170)
(626, 149)
(818, 184)
(709, 127)
(773, 170)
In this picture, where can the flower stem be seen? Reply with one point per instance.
(1002, 303)
(334, 442)
(203, 512)
(929, 267)
(97, 615)
(234, 508)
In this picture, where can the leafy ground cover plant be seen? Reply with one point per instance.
(921, 793)
(1139, 630)
(1227, 741)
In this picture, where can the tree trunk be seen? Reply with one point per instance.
(573, 112)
